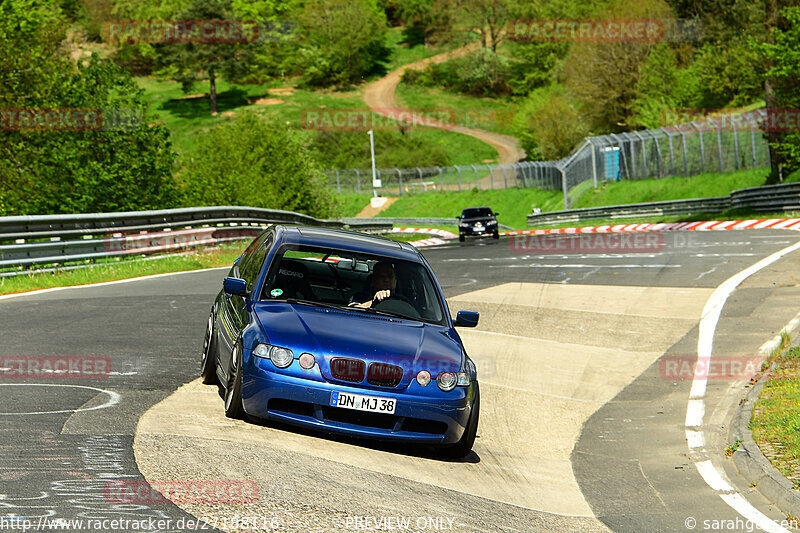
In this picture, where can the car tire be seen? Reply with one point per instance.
(496, 235)
(233, 392)
(208, 365)
(461, 237)
(460, 449)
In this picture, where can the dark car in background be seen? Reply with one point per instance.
(477, 221)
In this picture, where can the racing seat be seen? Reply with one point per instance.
(292, 279)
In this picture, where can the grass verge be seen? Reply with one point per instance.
(776, 416)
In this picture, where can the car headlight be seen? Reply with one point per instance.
(491, 223)
(280, 357)
(447, 381)
(463, 379)
(463, 225)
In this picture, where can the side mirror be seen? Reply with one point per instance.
(458, 217)
(235, 286)
(467, 319)
(496, 213)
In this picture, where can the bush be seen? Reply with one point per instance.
(62, 171)
(483, 73)
(548, 124)
(256, 163)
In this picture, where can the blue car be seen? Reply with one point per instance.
(344, 333)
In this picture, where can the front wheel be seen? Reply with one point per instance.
(495, 235)
(464, 445)
(461, 237)
(208, 366)
(233, 392)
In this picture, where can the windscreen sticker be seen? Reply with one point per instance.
(275, 292)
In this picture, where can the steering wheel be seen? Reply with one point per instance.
(398, 303)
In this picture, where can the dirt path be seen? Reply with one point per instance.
(380, 97)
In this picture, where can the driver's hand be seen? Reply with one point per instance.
(381, 295)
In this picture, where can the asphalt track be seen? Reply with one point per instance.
(581, 429)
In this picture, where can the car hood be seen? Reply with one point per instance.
(329, 333)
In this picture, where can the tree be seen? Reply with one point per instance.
(782, 51)
(548, 124)
(189, 62)
(256, 163)
(342, 41)
(604, 75)
(487, 19)
(88, 168)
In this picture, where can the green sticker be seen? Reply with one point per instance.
(276, 292)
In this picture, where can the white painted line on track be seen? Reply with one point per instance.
(113, 398)
(695, 408)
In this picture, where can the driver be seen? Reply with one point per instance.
(384, 283)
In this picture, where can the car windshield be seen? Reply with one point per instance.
(325, 277)
(476, 212)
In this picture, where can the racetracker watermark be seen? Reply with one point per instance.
(604, 30)
(175, 240)
(54, 367)
(592, 243)
(375, 119)
(193, 31)
(771, 120)
(191, 492)
(71, 119)
(715, 368)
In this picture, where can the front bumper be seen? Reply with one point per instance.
(269, 393)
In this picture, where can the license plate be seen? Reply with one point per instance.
(359, 402)
(479, 227)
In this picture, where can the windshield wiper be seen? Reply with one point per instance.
(301, 301)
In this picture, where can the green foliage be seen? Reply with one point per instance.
(784, 57)
(188, 62)
(483, 73)
(57, 171)
(256, 163)
(392, 149)
(342, 41)
(549, 124)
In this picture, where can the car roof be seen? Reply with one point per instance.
(481, 207)
(348, 240)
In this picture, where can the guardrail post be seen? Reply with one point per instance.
(358, 180)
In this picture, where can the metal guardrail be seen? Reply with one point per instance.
(783, 197)
(412, 221)
(56, 239)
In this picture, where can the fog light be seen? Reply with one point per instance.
(281, 357)
(463, 379)
(423, 378)
(307, 361)
(447, 381)
(262, 350)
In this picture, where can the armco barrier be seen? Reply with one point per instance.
(769, 198)
(54, 239)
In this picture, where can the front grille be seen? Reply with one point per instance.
(384, 375)
(351, 370)
(359, 418)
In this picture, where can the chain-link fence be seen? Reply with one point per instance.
(721, 144)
